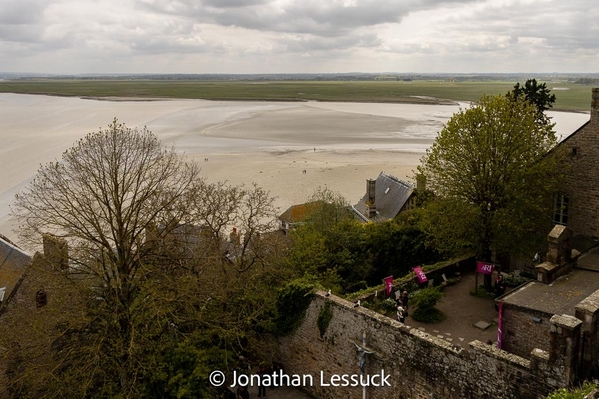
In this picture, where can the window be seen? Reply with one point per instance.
(560, 208)
(41, 299)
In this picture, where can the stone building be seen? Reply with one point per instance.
(567, 285)
(13, 262)
(577, 205)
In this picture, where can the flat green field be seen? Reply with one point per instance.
(570, 97)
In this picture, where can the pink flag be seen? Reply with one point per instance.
(500, 326)
(388, 285)
(485, 268)
(420, 274)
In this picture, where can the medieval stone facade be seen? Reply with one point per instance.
(580, 194)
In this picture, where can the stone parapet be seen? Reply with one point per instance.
(419, 365)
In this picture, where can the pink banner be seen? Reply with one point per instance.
(420, 274)
(388, 285)
(485, 268)
(500, 326)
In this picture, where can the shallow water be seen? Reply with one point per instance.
(37, 129)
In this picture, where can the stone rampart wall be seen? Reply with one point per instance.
(524, 330)
(419, 365)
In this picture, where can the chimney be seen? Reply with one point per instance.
(595, 104)
(56, 251)
(234, 237)
(370, 202)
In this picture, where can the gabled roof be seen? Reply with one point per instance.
(13, 262)
(391, 194)
(574, 133)
(299, 213)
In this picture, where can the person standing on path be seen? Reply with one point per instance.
(401, 314)
(404, 301)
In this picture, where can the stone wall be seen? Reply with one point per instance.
(522, 334)
(588, 311)
(419, 365)
(582, 177)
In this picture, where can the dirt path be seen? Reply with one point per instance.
(462, 311)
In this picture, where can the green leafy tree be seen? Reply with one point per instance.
(396, 246)
(537, 94)
(493, 170)
(346, 255)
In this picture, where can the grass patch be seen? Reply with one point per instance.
(576, 98)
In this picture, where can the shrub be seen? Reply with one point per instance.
(514, 281)
(425, 301)
(292, 302)
(578, 393)
(324, 318)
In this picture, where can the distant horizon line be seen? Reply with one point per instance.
(96, 74)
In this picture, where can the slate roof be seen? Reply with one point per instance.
(559, 297)
(13, 262)
(391, 194)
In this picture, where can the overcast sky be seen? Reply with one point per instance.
(298, 36)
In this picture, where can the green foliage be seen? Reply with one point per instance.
(324, 318)
(182, 372)
(425, 301)
(145, 277)
(536, 94)
(291, 305)
(365, 291)
(575, 98)
(514, 281)
(577, 393)
(493, 176)
(395, 247)
(347, 256)
(482, 292)
(388, 305)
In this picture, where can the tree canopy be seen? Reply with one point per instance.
(535, 93)
(493, 170)
(346, 255)
(155, 293)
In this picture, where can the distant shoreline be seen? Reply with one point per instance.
(570, 97)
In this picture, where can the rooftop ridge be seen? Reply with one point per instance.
(12, 246)
(405, 183)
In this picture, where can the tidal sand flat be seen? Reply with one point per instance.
(339, 145)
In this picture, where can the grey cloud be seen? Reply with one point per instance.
(560, 25)
(20, 12)
(300, 16)
(304, 43)
(20, 33)
(233, 3)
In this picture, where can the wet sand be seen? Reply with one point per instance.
(339, 145)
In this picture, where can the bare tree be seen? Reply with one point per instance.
(234, 217)
(102, 198)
